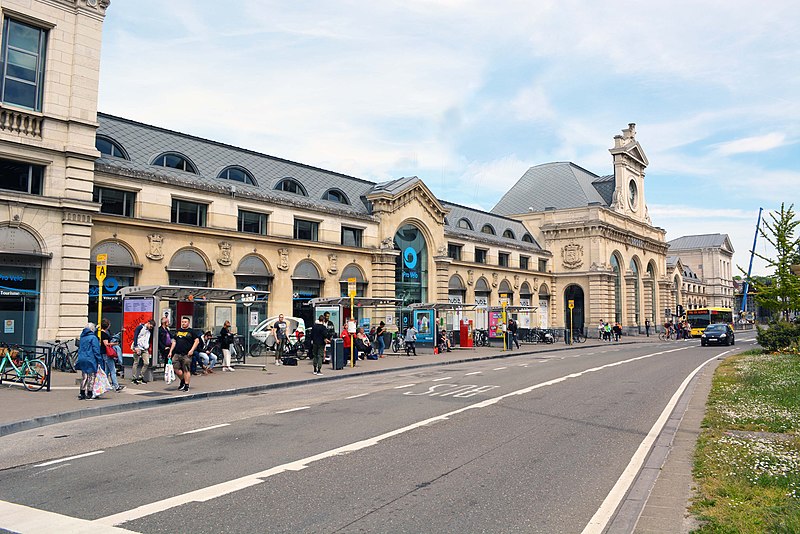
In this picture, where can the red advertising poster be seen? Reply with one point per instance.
(135, 311)
(495, 318)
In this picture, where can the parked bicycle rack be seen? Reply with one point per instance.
(33, 352)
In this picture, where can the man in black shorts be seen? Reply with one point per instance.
(181, 351)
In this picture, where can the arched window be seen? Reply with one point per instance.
(509, 234)
(488, 229)
(505, 292)
(615, 267)
(237, 174)
(528, 238)
(636, 292)
(173, 160)
(188, 268)
(465, 224)
(411, 265)
(352, 271)
(651, 274)
(290, 185)
(109, 147)
(335, 195)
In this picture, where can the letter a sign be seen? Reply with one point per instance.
(100, 273)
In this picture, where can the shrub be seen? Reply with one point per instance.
(781, 336)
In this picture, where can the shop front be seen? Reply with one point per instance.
(411, 272)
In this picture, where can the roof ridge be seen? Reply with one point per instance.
(443, 202)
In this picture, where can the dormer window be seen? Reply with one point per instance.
(465, 224)
(527, 238)
(290, 185)
(109, 147)
(508, 233)
(173, 160)
(488, 229)
(335, 195)
(237, 174)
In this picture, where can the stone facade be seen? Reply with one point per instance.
(57, 136)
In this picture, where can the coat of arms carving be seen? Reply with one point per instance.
(156, 241)
(572, 256)
(224, 258)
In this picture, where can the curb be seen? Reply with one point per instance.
(65, 417)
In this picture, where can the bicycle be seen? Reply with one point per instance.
(577, 337)
(480, 338)
(63, 358)
(398, 342)
(31, 373)
(667, 335)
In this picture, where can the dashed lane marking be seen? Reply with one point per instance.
(294, 409)
(68, 458)
(440, 379)
(499, 368)
(473, 373)
(204, 429)
(405, 386)
(357, 396)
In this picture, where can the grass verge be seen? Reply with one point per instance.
(747, 460)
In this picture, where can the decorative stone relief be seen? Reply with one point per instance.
(470, 277)
(224, 258)
(332, 267)
(494, 279)
(283, 261)
(387, 243)
(15, 212)
(516, 281)
(156, 242)
(572, 256)
(442, 250)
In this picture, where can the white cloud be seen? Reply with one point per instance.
(760, 143)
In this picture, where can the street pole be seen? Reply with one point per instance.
(351, 291)
(100, 273)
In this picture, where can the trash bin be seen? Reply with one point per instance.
(337, 354)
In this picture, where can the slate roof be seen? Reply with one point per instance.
(690, 242)
(478, 219)
(143, 143)
(560, 185)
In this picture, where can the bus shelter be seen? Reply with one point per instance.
(458, 318)
(366, 311)
(206, 308)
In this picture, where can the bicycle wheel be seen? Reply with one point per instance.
(580, 338)
(34, 375)
(60, 359)
(259, 349)
(72, 360)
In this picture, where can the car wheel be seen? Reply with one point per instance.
(727, 342)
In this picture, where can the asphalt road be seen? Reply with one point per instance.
(533, 443)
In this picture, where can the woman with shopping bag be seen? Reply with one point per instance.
(90, 360)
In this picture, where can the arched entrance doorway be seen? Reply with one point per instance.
(544, 306)
(253, 272)
(574, 293)
(121, 272)
(411, 270)
(21, 259)
(306, 285)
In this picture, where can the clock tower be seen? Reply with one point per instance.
(629, 165)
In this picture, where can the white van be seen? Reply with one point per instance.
(263, 332)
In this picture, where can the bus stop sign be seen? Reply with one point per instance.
(101, 269)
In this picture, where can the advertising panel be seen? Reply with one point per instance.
(423, 322)
(135, 311)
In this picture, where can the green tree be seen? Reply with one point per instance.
(783, 294)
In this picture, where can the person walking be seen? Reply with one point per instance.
(281, 332)
(164, 339)
(110, 354)
(647, 327)
(319, 337)
(181, 351)
(379, 340)
(601, 329)
(411, 340)
(141, 348)
(512, 333)
(89, 359)
(225, 340)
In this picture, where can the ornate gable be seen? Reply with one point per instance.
(389, 200)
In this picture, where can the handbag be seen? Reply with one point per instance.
(110, 352)
(101, 384)
(169, 372)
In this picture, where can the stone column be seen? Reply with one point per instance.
(440, 292)
(383, 273)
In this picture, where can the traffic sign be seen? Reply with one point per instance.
(101, 270)
(351, 287)
(248, 298)
(571, 304)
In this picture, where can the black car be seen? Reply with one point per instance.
(720, 334)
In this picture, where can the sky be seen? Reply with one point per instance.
(468, 95)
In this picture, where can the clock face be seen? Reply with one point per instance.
(633, 194)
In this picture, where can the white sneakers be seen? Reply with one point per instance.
(230, 369)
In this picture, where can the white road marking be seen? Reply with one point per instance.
(473, 373)
(612, 501)
(68, 458)
(357, 396)
(231, 486)
(440, 379)
(499, 368)
(294, 409)
(405, 386)
(19, 518)
(204, 429)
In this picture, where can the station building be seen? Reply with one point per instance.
(172, 209)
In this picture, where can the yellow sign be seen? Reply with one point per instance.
(351, 287)
(100, 273)
(571, 304)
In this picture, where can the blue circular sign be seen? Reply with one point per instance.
(410, 257)
(110, 285)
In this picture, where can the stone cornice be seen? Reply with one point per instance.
(386, 202)
(605, 230)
